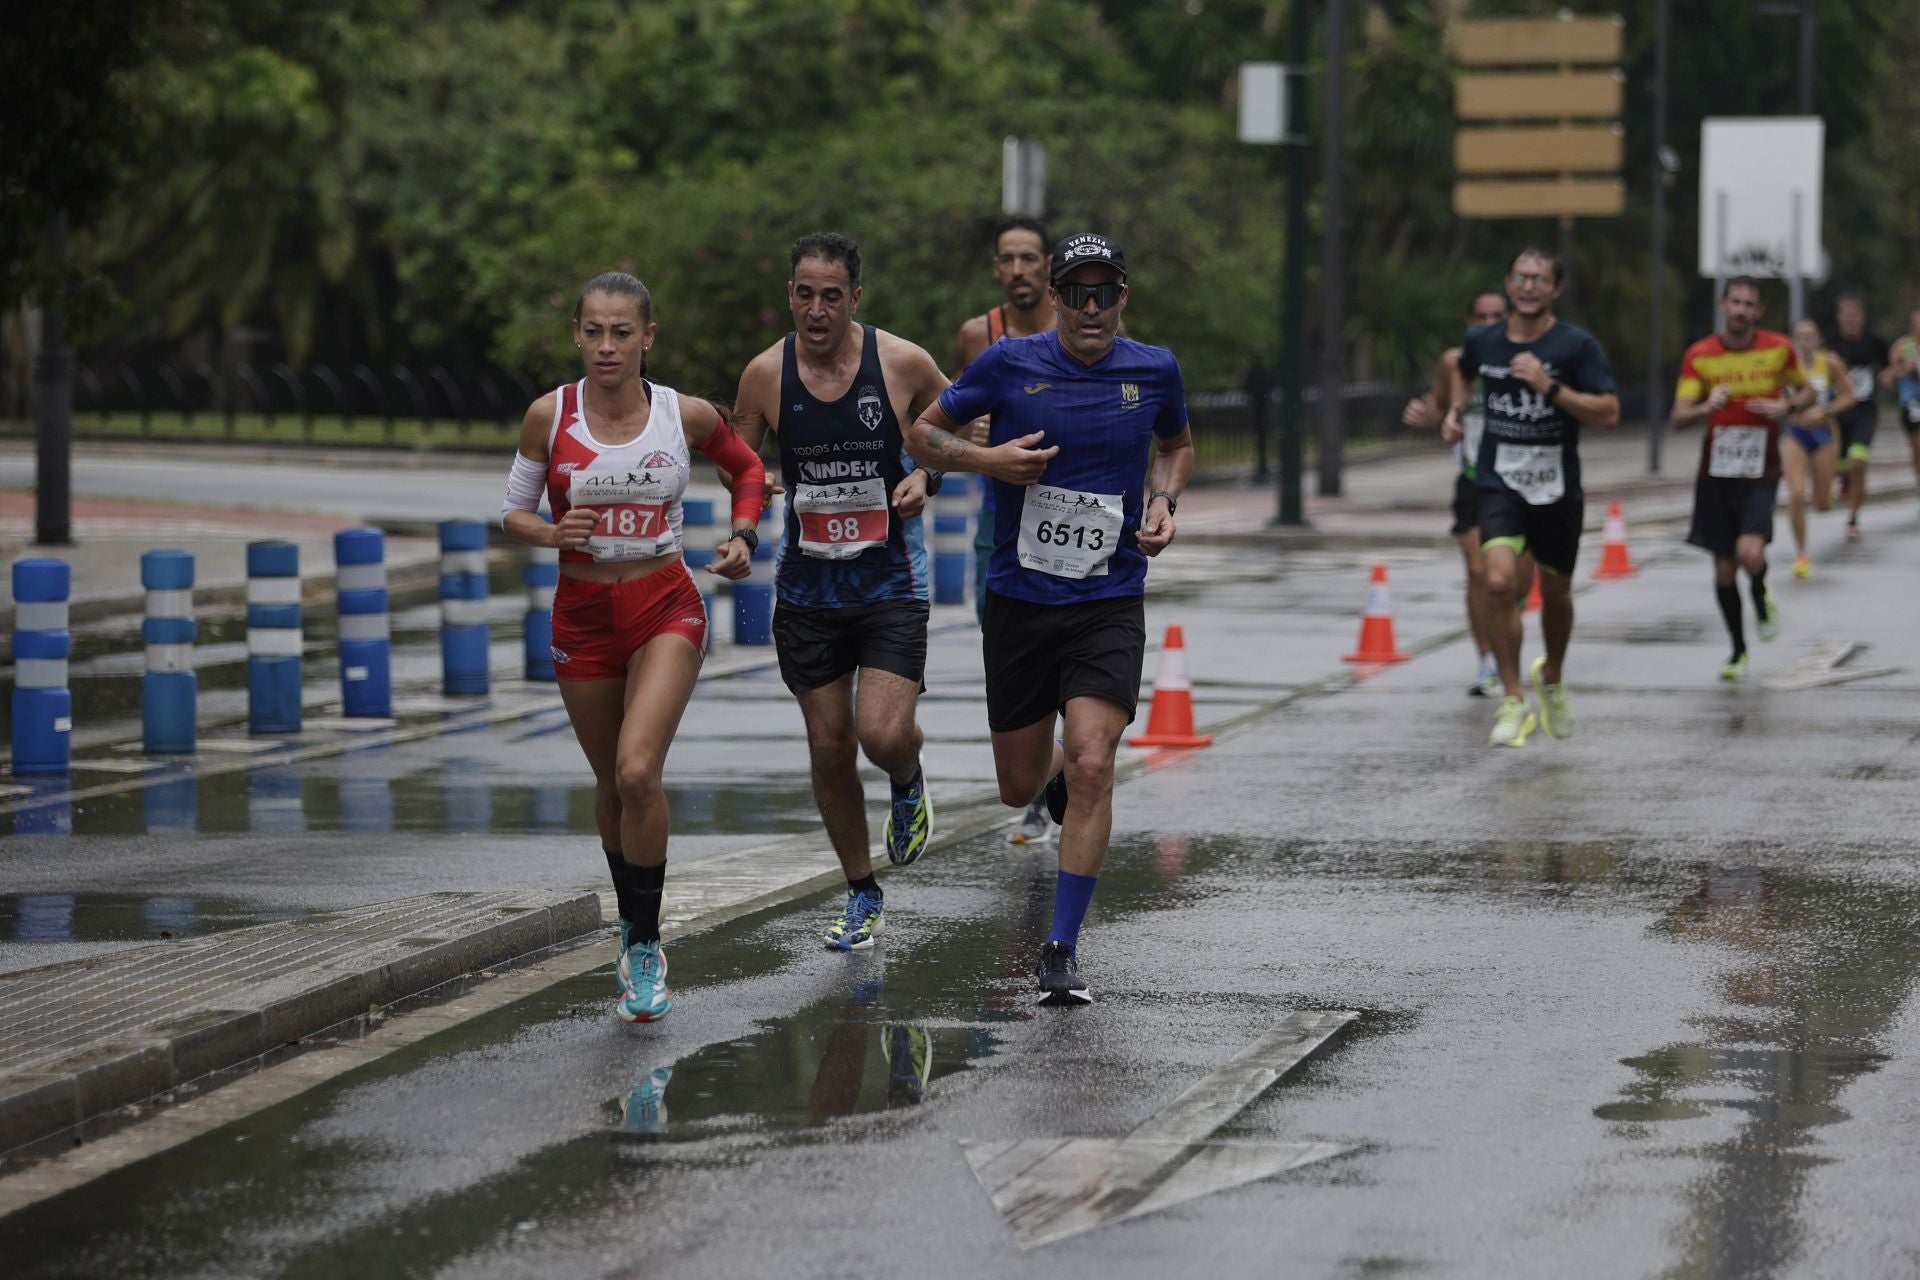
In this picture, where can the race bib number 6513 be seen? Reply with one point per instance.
(1068, 533)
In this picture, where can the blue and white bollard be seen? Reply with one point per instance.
(42, 704)
(463, 606)
(366, 637)
(170, 690)
(697, 537)
(952, 521)
(542, 576)
(273, 637)
(753, 595)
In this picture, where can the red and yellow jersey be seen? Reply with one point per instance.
(1739, 443)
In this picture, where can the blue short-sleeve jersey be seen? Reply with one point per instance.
(1102, 416)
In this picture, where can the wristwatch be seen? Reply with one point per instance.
(934, 480)
(751, 538)
(1173, 503)
(1552, 392)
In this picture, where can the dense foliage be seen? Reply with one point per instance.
(408, 179)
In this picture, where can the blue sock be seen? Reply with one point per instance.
(1072, 895)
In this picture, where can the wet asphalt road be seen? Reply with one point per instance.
(1637, 1003)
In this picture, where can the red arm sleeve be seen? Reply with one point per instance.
(730, 453)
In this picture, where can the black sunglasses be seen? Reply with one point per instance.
(1103, 295)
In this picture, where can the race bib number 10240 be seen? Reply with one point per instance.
(1537, 472)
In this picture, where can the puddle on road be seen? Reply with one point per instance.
(121, 917)
(1820, 969)
(456, 796)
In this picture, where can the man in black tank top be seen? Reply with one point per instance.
(852, 591)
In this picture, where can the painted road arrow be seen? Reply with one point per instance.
(1052, 1188)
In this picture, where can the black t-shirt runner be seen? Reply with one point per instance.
(1531, 448)
(1866, 356)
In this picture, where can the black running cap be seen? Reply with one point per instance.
(1079, 250)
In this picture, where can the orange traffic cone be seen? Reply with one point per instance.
(1376, 624)
(1533, 593)
(1614, 560)
(1170, 721)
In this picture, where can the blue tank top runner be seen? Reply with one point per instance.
(843, 544)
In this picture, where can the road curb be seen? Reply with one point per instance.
(47, 1093)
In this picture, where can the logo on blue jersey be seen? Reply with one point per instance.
(868, 409)
(1129, 395)
(1036, 388)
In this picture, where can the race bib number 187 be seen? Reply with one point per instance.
(634, 506)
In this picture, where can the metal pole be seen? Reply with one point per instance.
(1333, 373)
(1293, 281)
(1806, 57)
(53, 413)
(1657, 281)
(1720, 243)
(1566, 304)
(1796, 275)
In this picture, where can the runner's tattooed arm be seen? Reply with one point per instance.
(933, 442)
(756, 409)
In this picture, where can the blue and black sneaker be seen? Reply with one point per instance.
(853, 929)
(1059, 975)
(909, 821)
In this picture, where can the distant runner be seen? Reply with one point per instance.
(1903, 375)
(1866, 357)
(1020, 264)
(1489, 306)
(1543, 379)
(1808, 447)
(1741, 382)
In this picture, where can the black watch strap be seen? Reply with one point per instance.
(934, 480)
(750, 536)
(1552, 392)
(1173, 503)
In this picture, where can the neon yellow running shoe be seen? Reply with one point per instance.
(1556, 717)
(1802, 568)
(1735, 669)
(1512, 725)
(1770, 620)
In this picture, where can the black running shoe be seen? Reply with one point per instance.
(1060, 980)
(1056, 794)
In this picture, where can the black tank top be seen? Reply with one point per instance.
(841, 462)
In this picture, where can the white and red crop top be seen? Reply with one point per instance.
(636, 486)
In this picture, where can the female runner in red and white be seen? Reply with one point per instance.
(611, 451)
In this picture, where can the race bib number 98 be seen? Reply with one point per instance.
(1537, 472)
(838, 521)
(1067, 533)
(1738, 453)
(634, 505)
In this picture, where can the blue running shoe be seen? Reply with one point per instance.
(622, 975)
(909, 821)
(646, 999)
(644, 1109)
(854, 927)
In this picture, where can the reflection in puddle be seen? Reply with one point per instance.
(836, 1058)
(1823, 968)
(120, 917)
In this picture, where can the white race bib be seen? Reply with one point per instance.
(1738, 453)
(840, 520)
(1537, 472)
(1862, 383)
(633, 503)
(1473, 422)
(1067, 533)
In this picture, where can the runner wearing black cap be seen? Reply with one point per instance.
(1074, 413)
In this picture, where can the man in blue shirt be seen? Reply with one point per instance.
(1076, 414)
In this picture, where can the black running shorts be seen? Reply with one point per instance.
(1724, 511)
(1040, 656)
(1466, 505)
(818, 646)
(1550, 533)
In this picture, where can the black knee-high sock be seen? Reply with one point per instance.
(638, 891)
(1757, 584)
(1729, 598)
